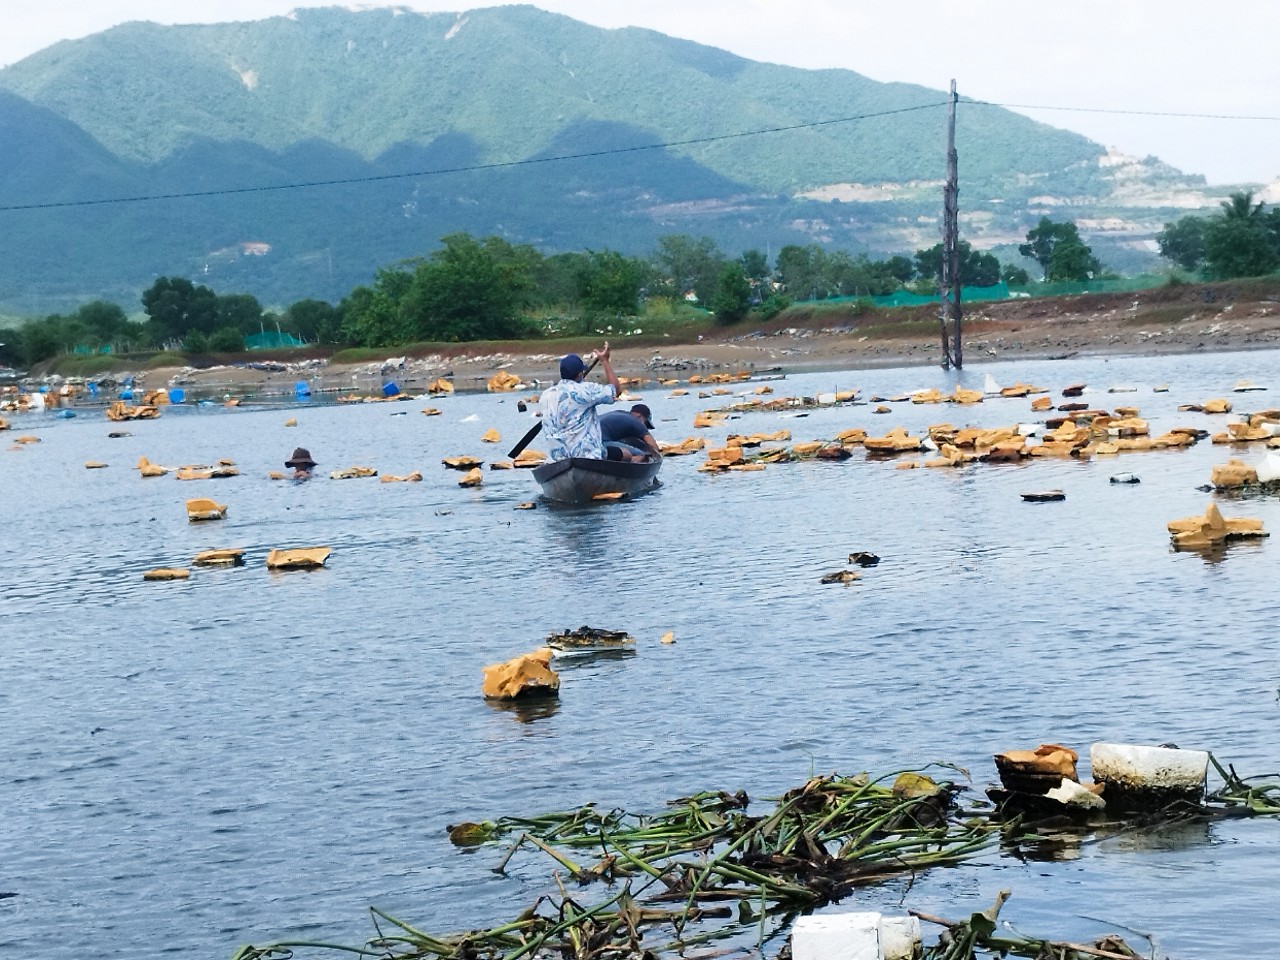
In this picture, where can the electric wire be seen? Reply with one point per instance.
(496, 165)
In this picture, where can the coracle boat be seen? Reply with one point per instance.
(579, 480)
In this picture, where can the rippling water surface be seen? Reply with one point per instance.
(249, 756)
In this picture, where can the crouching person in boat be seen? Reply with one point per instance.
(570, 418)
(626, 433)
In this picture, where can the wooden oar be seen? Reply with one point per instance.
(537, 427)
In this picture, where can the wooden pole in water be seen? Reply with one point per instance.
(952, 353)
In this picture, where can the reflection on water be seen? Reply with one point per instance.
(245, 757)
(528, 709)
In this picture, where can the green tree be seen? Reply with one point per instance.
(686, 263)
(803, 272)
(471, 290)
(239, 310)
(1183, 242)
(1072, 260)
(609, 283)
(312, 320)
(977, 268)
(226, 339)
(1014, 275)
(732, 297)
(1238, 241)
(371, 316)
(755, 265)
(176, 305)
(1045, 237)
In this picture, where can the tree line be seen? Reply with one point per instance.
(1241, 240)
(490, 289)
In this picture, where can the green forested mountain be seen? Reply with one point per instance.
(334, 94)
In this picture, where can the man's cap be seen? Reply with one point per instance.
(645, 414)
(571, 366)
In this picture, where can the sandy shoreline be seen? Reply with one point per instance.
(1178, 321)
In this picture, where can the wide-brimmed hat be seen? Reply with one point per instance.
(645, 414)
(301, 458)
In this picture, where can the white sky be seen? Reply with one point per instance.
(1158, 56)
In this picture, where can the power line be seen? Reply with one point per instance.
(497, 165)
(1130, 113)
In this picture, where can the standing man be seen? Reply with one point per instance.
(627, 432)
(569, 416)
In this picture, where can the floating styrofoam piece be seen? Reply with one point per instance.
(989, 385)
(1029, 429)
(1074, 795)
(826, 398)
(837, 936)
(899, 937)
(1269, 467)
(1141, 769)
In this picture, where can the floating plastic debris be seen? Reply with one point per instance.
(841, 576)
(527, 505)
(202, 509)
(414, 477)
(430, 412)
(1148, 778)
(589, 638)
(530, 458)
(167, 573)
(219, 558)
(473, 478)
(94, 465)
(503, 382)
(353, 473)
(461, 463)
(1125, 478)
(863, 559)
(298, 558)
(1044, 496)
(291, 422)
(528, 675)
(1232, 475)
(439, 386)
(668, 637)
(491, 436)
(1211, 529)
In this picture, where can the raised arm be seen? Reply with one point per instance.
(610, 376)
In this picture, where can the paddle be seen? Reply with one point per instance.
(537, 427)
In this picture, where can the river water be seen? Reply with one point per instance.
(249, 756)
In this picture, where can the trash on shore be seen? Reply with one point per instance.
(231, 557)
(119, 411)
(1191, 533)
(528, 675)
(353, 473)
(473, 478)
(203, 509)
(439, 386)
(167, 573)
(298, 558)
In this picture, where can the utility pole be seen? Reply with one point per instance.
(952, 353)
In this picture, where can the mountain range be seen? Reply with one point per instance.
(292, 157)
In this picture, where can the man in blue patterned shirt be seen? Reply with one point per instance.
(569, 417)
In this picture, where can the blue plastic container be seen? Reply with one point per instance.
(390, 390)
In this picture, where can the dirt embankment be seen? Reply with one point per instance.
(1172, 319)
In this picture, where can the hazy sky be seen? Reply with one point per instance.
(1153, 56)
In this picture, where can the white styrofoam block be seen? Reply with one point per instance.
(837, 936)
(1149, 767)
(898, 937)
(1269, 467)
(1074, 795)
